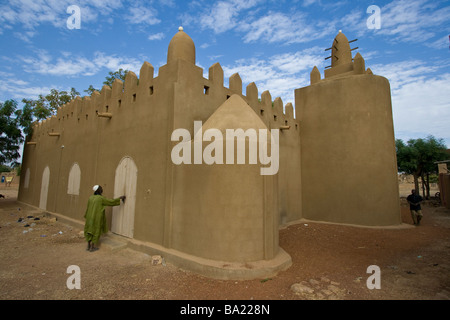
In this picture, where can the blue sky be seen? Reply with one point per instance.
(272, 43)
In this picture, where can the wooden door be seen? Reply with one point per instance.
(125, 184)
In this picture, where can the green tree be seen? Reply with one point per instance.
(10, 133)
(44, 107)
(109, 80)
(56, 99)
(30, 112)
(16, 123)
(418, 156)
(4, 168)
(120, 74)
(90, 90)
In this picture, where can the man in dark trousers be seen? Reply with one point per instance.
(414, 200)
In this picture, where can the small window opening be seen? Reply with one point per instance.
(206, 90)
(151, 90)
(134, 97)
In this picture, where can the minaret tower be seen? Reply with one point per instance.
(349, 168)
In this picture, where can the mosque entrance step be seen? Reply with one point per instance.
(113, 242)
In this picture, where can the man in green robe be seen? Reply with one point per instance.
(95, 217)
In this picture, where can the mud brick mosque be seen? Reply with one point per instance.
(337, 161)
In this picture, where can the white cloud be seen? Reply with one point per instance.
(142, 14)
(420, 98)
(114, 62)
(25, 36)
(441, 43)
(156, 36)
(223, 15)
(412, 20)
(401, 73)
(75, 65)
(67, 65)
(272, 27)
(19, 89)
(30, 14)
(287, 29)
(307, 3)
(291, 63)
(422, 108)
(280, 74)
(420, 91)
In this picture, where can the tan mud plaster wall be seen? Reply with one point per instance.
(348, 147)
(182, 207)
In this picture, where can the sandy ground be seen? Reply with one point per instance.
(330, 262)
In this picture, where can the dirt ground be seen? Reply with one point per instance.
(330, 262)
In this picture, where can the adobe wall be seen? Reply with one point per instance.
(138, 129)
(138, 124)
(336, 156)
(197, 98)
(227, 212)
(348, 151)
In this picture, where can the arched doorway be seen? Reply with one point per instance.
(125, 184)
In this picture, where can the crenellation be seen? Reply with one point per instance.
(131, 82)
(95, 101)
(84, 106)
(251, 92)
(52, 123)
(117, 88)
(235, 83)
(265, 107)
(315, 75)
(105, 96)
(289, 111)
(216, 74)
(60, 111)
(146, 74)
(277, 109)
(77, 105)
(70, 110)
(359, 66)
(266, 99)
(44, 125)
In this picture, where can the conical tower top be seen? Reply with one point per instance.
(181, 47)
(340, 50)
